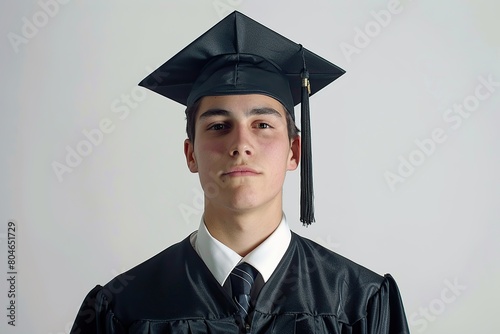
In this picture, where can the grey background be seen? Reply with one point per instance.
(131, 196)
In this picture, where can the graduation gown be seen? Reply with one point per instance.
(312, 290)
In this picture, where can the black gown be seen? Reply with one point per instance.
(312, 290)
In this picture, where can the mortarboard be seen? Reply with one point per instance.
(241, 56)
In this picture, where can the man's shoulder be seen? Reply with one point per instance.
(158, 268)
(170, 256)
(322, 280)
(174, 284)
(331, 264)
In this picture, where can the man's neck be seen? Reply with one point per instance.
(242, 231)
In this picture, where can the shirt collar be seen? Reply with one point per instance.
(221, 259)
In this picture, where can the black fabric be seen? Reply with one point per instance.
(313, 290)
(239, 55)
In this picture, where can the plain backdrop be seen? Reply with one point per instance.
(405, 147)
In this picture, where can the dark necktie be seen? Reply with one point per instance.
(242, 278)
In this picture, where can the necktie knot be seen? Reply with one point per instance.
(242, 279)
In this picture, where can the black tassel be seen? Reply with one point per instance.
(306, 178)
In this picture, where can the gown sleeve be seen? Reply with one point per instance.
(95, 316)
(385, 312)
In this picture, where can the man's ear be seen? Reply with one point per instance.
(294, 154)
(190, 158)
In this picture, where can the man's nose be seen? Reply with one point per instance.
(241, 142)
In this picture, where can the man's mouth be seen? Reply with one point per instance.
(240, 171)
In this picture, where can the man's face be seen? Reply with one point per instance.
(242, 151)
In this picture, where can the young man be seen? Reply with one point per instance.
(244, 271)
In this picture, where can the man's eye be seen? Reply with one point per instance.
(263, 126)
(218, 127)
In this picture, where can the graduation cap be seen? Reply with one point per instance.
(241, 56)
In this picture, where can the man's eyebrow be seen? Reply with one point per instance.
(214, 112)
(252, 112)
(263, 111)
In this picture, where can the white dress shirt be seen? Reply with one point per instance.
(221, 259)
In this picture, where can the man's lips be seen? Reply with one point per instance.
(240, 171)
